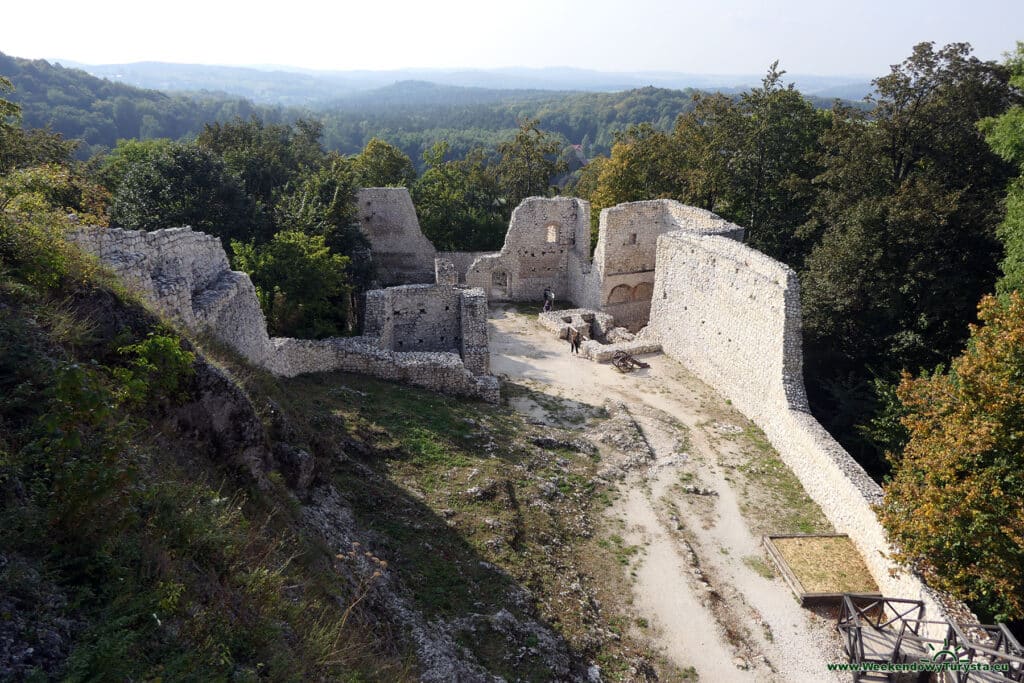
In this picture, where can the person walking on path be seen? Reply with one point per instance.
(575, 339)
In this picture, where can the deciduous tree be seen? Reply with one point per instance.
(955, 506)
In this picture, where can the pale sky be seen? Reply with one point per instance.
(849, 37)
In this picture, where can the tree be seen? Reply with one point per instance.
(458, 202)
(299, 283)
(709, 140)
(264, 156)
(1005, 134)
(907, 210)
(182, 184)
(955, 506)
(110, 169)
(528, 162)
(381, 164)
(322, 203)
(771, 194)
(20, 148)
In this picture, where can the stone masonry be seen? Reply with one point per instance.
(545, 238)
(401, 253)
(732, 316)
(186, 276)
(548, 247)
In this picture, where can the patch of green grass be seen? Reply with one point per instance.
(757, 563)
(775, 501)
(623, 552)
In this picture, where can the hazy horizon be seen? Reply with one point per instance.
(293, 68)
(726, 38)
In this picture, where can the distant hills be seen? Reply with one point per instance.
(151, 99)
(293, 86)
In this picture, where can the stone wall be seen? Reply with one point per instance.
(541, 236)
(732, 316)
(401, 253)
(414, 318)
(462, 260)
(621, 278)
(186, 276)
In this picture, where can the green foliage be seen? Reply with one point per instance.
(264, 156)
(955, 506)
(181, 184)
(528, 162)
(751, 160)
(21, 147)
(300, 283)
(770, 192)
(158, 370)
(108, 507)
(381, 164)
(1005, 135)
(465, 119)
(110, 169)
(53, 188)
(907, 210)
(100, 112)
(459, 203)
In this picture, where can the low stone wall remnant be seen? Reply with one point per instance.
(186, 276)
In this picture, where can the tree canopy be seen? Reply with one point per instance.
(955, 505)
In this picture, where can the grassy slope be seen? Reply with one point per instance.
(135, 546)
(473, 517)
(131, 548)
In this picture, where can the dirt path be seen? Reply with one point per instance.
(702, 583)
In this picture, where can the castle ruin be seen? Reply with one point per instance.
(680, 275)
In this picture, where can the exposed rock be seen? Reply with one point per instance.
(221, 415)
(296, 464)
(577, 445)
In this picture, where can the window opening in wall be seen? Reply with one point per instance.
(552, 233)
(631, 239)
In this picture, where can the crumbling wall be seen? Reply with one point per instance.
(186, 276)
(462, 260)
(415, 318)
(401, 253)
(541, 236)
(620, 280)
(732, 316)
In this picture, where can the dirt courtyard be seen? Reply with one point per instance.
(690, 508)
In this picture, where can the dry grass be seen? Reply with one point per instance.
(826, 564)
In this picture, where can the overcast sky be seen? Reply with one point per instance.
(849, 37)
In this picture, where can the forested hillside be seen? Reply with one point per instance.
(100, 112)
(412, 115)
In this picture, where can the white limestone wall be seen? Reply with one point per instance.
(542, 234)
(401, 253)
(620, 279)
(732, 316)
(186, 276)
(462, 260)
